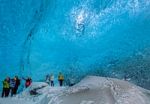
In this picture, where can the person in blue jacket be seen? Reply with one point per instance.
(12, 86)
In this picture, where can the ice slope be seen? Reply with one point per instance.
(91, 90)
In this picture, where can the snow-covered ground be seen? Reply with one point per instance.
(91, 90)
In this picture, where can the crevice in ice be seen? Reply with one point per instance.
(34, 25)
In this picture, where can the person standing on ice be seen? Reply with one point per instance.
(47, 79)
(12, 86)
(17, 84)
(60, 79)
(6, 88)
(52, 79)
(28, 82)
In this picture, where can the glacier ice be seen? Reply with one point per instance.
(80, 37)
(91, 90)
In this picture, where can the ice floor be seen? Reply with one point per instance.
(91, 90)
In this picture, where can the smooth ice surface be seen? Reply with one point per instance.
(77, 37)
(91, 90)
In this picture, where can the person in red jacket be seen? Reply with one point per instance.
(28, 82)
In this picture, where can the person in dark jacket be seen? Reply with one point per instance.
(17, 84)
(47, 79)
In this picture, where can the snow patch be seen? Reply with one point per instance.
(91, 90)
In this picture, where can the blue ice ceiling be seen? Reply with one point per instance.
(74, 36)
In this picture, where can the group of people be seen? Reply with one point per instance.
(50, 79)
(10, 86)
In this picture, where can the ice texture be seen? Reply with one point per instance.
(76, 37)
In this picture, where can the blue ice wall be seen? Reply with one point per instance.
(77, 37)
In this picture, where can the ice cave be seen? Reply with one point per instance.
(80, 38)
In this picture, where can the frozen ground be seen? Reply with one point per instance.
(91, 90)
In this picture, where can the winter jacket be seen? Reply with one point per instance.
(28, 82)
(5, 84)
(17, 83)
(51, 78)
(12, 83)
(60, 77)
